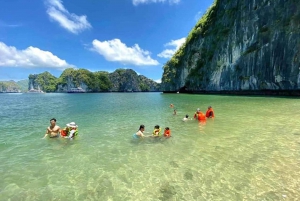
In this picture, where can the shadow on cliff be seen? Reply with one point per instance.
(252, 93)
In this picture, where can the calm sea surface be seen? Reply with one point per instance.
(250, 151)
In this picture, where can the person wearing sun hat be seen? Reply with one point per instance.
(199, 115)
(70, 131)
(196, 113)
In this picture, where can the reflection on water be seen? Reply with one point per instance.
(250, 151)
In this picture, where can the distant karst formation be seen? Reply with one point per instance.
(121, 80)
(239, 45)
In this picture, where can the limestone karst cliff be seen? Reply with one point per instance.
(121, 80)
(240, 45)
(127, 80)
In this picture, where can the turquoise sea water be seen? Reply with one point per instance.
(250, 151)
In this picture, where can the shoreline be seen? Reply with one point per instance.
(294, 93)
(243, 92)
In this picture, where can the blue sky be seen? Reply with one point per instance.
(98, 35)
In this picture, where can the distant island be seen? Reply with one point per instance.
(81, 80)
(13, 87)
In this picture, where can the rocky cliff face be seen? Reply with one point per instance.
(129, 81)
(240, 45)
(71, 84)
(121, 80)
(32, 83)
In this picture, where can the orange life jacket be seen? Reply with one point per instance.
(201, 116)
(208, 112)
(64, 133)
(167, 133)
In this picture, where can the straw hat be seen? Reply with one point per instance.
(72, 125)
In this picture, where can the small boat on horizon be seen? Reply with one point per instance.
(76, 90)
(12, 92)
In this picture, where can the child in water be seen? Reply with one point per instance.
(156, 131)
(70, 131)
(186, 118)
(167, 132)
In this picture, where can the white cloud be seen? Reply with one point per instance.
(31, 57)
(157, 81)
(168, 53)
(198, 16)
(176, 44)
(69, 21)
(115, 50)
(136, 2)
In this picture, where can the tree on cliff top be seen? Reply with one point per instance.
(46, 81)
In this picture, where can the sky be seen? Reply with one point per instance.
(97, 35)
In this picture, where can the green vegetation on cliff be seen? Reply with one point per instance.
(239, 45)
(12, 86)
(121, 80)
(129, 80)
(203, 24)
(201, 29)
(23, 84)
(102, 82)
(97, 81)
(45, 81)
(9, 86)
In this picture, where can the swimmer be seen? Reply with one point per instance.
(140, 132)
(156, 131)
(167, 132)
(70, 131)
(53, 130)
(186, 118)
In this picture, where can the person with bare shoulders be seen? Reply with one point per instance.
(53, 130)
(139, 133)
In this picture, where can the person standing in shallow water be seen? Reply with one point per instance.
(210, 112)
(199, 115)
(53, 130)
(140, 132)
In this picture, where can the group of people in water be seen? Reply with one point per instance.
(199, 115)
(156, 132)
(202, 117)
(71, 129)
(53, 131)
